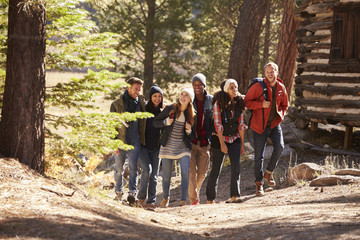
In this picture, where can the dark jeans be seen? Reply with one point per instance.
(260, 140)
(149, 161)
(217, 158)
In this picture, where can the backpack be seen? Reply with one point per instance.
(265, 93)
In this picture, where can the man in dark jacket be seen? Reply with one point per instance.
(133, 134)
(200, 157)
(267, 116)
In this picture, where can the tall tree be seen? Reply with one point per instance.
(152, 42)
(247, 31)
(213, 29)
(287, 47)
(22, 121)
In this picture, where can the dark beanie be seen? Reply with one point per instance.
(199, 77)
(155, 89)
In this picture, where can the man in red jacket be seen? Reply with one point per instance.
(265, 122)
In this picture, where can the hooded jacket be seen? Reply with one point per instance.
(260, 117)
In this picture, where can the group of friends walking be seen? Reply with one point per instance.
(196, 130)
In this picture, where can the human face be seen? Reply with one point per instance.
(198, 88)
(156, 99)
(271, 74)
(232, 90)
(184, 98)
(134, 90)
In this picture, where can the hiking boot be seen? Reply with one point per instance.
(259, 189)
(118, 196)
(182, 203)
(164, 203)
(269, 179)
(234, 200)
(131, 198)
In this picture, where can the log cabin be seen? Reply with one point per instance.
(327, 85)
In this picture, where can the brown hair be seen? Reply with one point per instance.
(134, 80)
(224, 101)
(190, 112)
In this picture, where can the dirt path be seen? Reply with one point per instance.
(34, 207)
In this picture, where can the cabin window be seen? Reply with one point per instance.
(345, 41)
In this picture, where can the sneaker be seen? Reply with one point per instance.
(164, 203)
(182, 203)
(234, 200)
(269, 178)
(210, 201)
(118, 196)
(131, 198)
(196, 202)
(259, 189)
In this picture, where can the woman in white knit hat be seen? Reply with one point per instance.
(177, 121)
(227, 138)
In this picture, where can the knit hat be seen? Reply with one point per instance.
(199, 77)
(191, 93)
(228, 82)
(155, 89)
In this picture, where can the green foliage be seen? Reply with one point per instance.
(92, 133)
(171, 23)
(80, 92)
(213, 32)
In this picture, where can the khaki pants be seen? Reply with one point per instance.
(199, 165)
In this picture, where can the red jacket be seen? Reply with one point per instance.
(260, 117)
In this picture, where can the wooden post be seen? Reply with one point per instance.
(348, 137)
(313, 126)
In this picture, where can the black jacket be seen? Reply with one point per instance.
(159, 122)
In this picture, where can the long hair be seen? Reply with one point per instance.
(190, 111)
(224, 101)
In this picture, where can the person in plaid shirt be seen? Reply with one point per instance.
(227, 138)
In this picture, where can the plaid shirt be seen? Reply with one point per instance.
(219, 127)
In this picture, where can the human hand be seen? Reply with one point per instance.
(266, 104)
(188, 127)
(224, 148)
(169, 121)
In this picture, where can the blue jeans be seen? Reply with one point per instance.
(167, 169)
(217, 158)
(132, 156)
(260, 140)
(149, 162)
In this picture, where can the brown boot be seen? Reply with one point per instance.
(259, 189)
(269, 179)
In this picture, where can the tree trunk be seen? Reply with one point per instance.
(22, 122)
(247, 32)
(255, 61)
(287, 47)
(267, 39)
(149, 48)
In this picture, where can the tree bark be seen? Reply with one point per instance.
(287, 47)
(247, 32)
(149, 48)
(22, 121)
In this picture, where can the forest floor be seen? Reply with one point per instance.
(37, 207)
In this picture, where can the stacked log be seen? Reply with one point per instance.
(326, 92)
